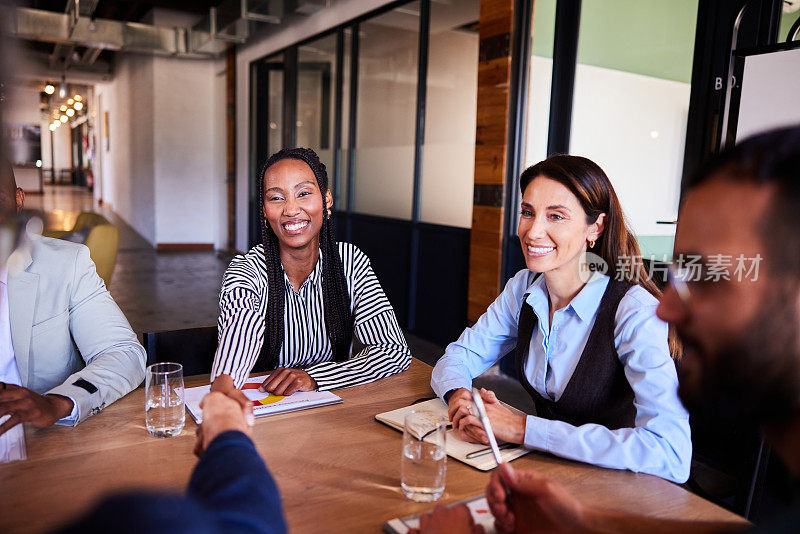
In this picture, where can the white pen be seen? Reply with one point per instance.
(487, 426)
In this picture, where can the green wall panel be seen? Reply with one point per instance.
(649, 37)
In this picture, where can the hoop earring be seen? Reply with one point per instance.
(591, 244)
(329, 213)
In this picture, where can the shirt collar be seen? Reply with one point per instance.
(584, 304)
(4, 275)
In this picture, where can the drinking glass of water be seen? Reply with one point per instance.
(423, 467)
(164, 412)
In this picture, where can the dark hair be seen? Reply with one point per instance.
(336, 298)
(590, 185)
(769, 159)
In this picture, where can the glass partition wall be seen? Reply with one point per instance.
(401, 171)
(630, 107)
(389, 102)
(627, 105)
(316, 72)
(386, 113)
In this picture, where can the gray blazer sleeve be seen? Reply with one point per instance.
(115, 359)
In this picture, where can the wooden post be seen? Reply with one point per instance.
(491, 146)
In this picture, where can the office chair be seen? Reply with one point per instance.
(193, 348)
(729, 462)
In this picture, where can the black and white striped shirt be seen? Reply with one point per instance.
(243, 302)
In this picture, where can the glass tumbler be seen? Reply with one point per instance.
(423, 467)
(164, 407)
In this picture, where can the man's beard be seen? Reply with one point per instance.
(754, 378)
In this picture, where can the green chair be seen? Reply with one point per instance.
(99, 235)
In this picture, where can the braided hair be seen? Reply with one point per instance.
(336, 298)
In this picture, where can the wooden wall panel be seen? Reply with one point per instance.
(491, 146)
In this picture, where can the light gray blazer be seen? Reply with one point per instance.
(66, 327)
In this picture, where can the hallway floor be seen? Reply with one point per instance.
(159, 290)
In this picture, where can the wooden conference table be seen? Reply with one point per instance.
(336, 466)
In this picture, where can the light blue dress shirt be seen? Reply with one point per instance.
(659, 443)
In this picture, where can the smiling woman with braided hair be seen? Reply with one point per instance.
(292, 304)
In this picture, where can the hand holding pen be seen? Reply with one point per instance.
(507, 425)
(539, 504)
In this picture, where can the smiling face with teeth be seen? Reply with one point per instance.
(553, 229)
(293, 204)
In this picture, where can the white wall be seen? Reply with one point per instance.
(127, 167)
(62, 147)
(289, 32)
(162, 170)
(448, 155)
(23, 105)
(769, 93)
(634, 127)
(184, 150)
(46, 163)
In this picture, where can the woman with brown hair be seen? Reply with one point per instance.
(581, 319)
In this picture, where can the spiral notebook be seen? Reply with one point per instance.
(264, 404)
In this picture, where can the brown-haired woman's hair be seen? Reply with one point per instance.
(616, 244)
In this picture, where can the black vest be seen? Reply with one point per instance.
(598, 391)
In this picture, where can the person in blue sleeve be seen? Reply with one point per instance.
(588, 346)
(230, 491)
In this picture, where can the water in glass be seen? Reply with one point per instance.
(423, 466)
(164, 404)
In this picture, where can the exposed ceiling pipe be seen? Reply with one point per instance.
(76, 9)
(229, 22)
(103, 34)
(90, 56)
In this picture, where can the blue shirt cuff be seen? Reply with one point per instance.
(440, 388)
(537, 432)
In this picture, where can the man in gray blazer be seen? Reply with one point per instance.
(70, 351)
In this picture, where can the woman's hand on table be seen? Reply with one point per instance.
(459, 405)
(447, 520)
(506, 425)
(283, 381)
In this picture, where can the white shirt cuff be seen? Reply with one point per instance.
(72, 418)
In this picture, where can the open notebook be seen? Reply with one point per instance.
(263, 403)
(475, 455)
